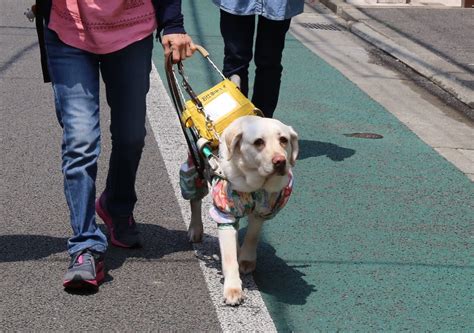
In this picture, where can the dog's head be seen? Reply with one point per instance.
(261, 148)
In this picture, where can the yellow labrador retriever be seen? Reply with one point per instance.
(256, 155)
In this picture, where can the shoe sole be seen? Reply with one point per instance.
(108, 223)
(86, 285)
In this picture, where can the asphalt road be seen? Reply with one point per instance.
(160, 286)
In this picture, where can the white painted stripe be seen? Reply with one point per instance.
(253, 315)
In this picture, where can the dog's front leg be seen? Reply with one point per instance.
(230, 267)
(195, 229)
(248, 251)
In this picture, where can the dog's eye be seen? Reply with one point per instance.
(283, 140)
(259, 142)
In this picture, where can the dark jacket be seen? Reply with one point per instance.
(169, 16)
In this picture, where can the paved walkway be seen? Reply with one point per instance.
(445, 31)
(375, 238)
(433, 40)
(158, 287)
(376, 235)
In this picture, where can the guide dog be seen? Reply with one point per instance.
(256, 156)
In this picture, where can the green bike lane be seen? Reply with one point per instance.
(378, 233)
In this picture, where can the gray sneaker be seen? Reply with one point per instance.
(86, 271)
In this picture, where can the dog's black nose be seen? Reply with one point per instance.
(279, 164)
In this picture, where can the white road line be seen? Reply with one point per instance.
(253, 315)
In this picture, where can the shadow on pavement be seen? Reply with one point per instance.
(29, 247)
(309, 148)
(275, 277)
(158, 242)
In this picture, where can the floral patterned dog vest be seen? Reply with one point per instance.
(229, 205)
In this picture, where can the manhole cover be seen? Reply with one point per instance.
(320, 26)
(365, 135)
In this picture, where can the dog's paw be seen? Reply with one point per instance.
(247, 259)
(246, 266)
(233, 296)
(195, 233)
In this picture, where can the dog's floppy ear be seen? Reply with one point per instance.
(294, 146)
(233, 136)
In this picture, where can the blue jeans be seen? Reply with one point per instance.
(238, 34)
(75, 79)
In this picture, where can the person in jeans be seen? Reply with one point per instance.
(113, 39)
(237, 24)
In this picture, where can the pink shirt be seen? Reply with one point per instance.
(102, 26)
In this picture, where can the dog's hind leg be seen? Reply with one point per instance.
(195, 229)
(248, 251)
(230, 267)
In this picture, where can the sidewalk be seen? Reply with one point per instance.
(435, 41)
(375, 236)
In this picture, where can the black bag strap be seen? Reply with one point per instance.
(40, 7)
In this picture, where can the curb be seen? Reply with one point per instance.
(439, 71)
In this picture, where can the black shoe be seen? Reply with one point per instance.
(122, 230)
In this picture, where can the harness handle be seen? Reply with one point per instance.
(199, 149)
(187, 87)
(179, 102)
(202, 50)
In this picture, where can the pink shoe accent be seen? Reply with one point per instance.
(84, 284)
(94, 284)
(105, 216)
